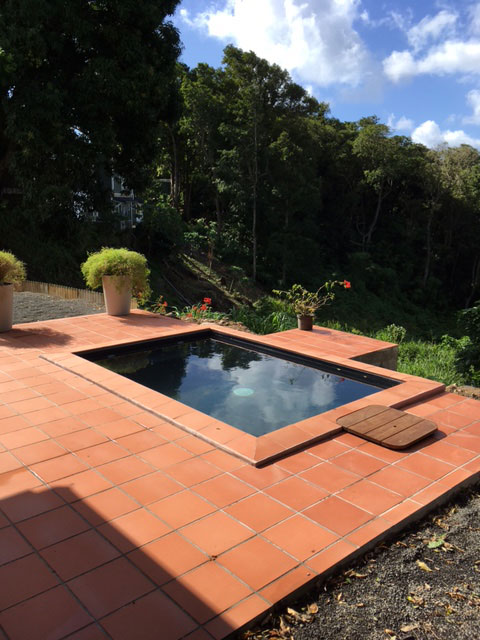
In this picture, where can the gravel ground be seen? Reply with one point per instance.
(422, 585)
(32, 307)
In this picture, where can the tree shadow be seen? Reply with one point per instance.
(34, 338)
(65, 569)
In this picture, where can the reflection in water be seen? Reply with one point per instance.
(126, 364)
(252, 391)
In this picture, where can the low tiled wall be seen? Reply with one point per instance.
(387, 358)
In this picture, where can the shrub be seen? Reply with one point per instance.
(12, 270)
(116, 262)
(392, 333)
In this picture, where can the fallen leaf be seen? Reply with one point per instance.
(409, 627)
(313, 608)
(423, 565)
(437, 542)
(283, 626)
(415, 600)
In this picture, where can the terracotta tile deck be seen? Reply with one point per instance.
(121, 517)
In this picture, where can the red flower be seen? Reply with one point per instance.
(203, 307)
(189, 315)
(165, 303)
(207, 300)
(347, 284)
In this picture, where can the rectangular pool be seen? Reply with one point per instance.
(254, 388)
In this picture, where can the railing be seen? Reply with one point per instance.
(67, 293)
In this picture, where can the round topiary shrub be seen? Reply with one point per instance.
(116, 262)
(12, 270)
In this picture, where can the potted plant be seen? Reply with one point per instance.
(12, 271)
(119, 272)
(305, 303)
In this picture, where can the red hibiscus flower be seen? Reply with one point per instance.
(203, 307)
(207, 300)
(347, 284)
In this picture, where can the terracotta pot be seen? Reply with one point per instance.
(305, 323)
(117, 291)
(6, 307)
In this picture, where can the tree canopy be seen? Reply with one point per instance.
(84, 86)
(259, 173)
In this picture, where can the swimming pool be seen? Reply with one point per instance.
(252, 387)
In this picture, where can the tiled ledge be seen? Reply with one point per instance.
(262, 450)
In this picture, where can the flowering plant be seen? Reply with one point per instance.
(160, 306)
(200, 311)
(304, 302)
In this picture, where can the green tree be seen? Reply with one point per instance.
(263, 104)
(83, 87)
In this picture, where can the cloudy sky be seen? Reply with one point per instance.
(415, 64)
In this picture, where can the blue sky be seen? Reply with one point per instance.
(416, 65)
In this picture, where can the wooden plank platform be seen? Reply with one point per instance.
(386, 426)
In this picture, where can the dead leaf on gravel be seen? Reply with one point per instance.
(312, 608)
(295, 616)
(423, 565)
(415, 600)
(284, 628)
(391, 633)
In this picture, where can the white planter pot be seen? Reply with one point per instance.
(6, 307)
(118, 294)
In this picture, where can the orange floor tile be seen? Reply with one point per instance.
(126, 515)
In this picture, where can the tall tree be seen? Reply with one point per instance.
(262, 99)
(83, 86)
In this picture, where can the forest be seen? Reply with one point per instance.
(237, 163)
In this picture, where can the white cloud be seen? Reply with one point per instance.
(453, 56)
(404, 124)
(431, 29)
(436, 48)
(473, 98)
(314, 39)
(399, 65)
(430, 134)
(400, 124)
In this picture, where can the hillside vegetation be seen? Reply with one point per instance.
(235, 166)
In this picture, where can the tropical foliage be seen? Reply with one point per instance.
(12, 270)
(116, 262)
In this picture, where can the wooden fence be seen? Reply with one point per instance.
(67, 293)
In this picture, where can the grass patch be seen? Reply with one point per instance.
(435, 361)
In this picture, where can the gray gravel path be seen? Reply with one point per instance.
(32, 307)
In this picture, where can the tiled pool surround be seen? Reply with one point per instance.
(112, 519)
(261, 450)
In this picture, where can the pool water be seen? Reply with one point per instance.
(257, 392)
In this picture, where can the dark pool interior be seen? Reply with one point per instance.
(249, 386)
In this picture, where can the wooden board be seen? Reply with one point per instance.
(388, 427)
